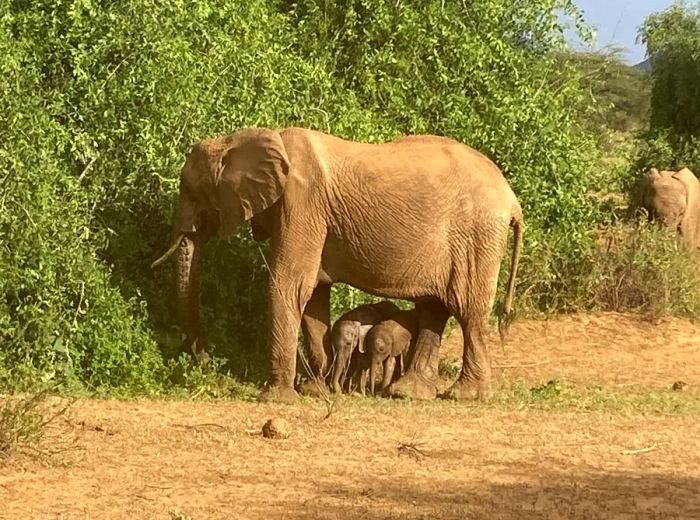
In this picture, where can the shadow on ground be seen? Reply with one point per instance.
(522, 494)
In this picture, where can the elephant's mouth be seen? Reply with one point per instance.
(210, 223)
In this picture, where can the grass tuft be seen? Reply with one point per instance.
(23, 422)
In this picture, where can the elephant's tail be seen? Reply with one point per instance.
(506, 317)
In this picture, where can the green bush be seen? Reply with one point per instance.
(637, 267)
(662, 150)
(620, 93)
(61, 318)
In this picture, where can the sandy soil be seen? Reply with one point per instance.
(379, 459)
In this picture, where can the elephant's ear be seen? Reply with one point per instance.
(690, 224)
(251, 177)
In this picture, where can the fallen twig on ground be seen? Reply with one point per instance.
(412, 448)
(202, 425)
(641, 450)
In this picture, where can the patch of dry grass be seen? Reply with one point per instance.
(646, 270)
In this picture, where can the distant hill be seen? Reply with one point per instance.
(644, 66)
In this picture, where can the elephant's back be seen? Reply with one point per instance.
(430, 161)
(443, 163)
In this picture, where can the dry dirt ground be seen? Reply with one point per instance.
(380, 459)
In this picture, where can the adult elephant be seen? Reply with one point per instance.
(673, 198)
(421, 218)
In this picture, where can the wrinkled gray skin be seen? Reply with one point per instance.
(388, 341)
(348, 335)
(673, 199)
(421, 218)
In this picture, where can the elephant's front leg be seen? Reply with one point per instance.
(421, 378)
(389, 366)
(289, 290)
(316, 324)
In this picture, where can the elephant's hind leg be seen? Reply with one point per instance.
(474, 380)
(421, 378)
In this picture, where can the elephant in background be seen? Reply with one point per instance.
(673, 198)
(388, 341)
(421, 218)
(348, 336)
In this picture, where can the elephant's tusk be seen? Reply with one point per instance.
(169, 252)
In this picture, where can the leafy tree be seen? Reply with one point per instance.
(619, 93)
(672, 39)
(61, 317)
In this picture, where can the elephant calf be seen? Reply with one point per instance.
(388, 340)
(674, 199)
(348, 337)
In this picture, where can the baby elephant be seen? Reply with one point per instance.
(348, 335)
(388, 340)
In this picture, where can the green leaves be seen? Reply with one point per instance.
(672, 38)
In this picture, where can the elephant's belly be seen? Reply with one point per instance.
(391, 270)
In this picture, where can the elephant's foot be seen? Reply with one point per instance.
(314, 388)
(465, 390)
(278, 394)
(413, 386)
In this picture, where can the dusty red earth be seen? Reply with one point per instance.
(380, 459)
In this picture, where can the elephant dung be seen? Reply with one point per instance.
(276, 428)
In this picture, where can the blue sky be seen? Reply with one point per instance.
(617, 21)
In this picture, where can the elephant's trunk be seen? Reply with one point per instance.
(372, 373)
(188, 260)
